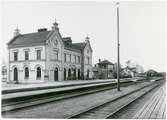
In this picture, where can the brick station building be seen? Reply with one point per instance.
(47, 56)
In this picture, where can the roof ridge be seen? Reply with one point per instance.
(34, 32)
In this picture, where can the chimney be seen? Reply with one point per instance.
(55, 25)
(42, 29)
(67, 40)
(99, 60)
(16, 32)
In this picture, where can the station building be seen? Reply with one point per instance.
(47, 56)
(103, 70)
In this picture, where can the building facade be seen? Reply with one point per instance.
(103, 70)
(47, 56)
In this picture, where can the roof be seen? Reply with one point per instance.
(105, 62)
(30, 38)
(151, 71)
(68, 44)
(40, 37)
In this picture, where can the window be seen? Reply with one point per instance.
(65, 59)
(70, 57)
(75, 58)
(87, 51)
(26, 72)
(78, 59)
(15, 56)
(26, 55)
(38, 54)
(56, 55)
(38, 72)
(88, 60)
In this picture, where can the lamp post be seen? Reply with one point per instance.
(118, 45)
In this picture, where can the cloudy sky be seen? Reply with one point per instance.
(142, 27)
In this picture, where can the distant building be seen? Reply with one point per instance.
(47, 56)
(129, 71)
(151, 73)
(103, 69)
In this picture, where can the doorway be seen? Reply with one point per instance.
(64, 74)
(79, 74)
(15, 74)
(56, 74)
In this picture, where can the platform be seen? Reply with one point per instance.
(11, 88)
(155, 107)
(55, 84)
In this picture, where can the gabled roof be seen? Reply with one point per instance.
(41, 37)
(105, 62)
(81, 45)
(30, 38)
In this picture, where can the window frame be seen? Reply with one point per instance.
(70, 57)
(38, 54)
(26, 55)
(38, 72)
(15, 54)
(26, 73)
(79, 59)
(65, 57)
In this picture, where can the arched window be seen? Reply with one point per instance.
(38, 72)
(64, 73)
(15, 74)
(74, 74)
(26, 72)
(79, 76)
(69, 73)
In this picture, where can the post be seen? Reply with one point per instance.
(118, 45)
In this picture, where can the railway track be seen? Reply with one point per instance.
(109, 108)
(27, 101)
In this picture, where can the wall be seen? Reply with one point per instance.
(32, 63)
(88, 53)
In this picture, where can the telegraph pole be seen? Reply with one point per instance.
(118, 45)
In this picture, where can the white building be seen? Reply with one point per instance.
(47, 56)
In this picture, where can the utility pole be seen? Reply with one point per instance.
(118, 45)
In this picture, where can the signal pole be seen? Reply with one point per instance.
(118, 45)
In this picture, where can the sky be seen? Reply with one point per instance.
(142, 27)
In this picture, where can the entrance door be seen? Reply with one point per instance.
(15, 74)
(69, 74)
(87, 74)
(78, 74)
(56, 74)
(74, 74)
(64, 74)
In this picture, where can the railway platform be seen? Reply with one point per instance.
(55, 84)
(52, 92)
(76, 105)
(12, 88)
(155, 107)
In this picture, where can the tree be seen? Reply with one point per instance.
(115, 70)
